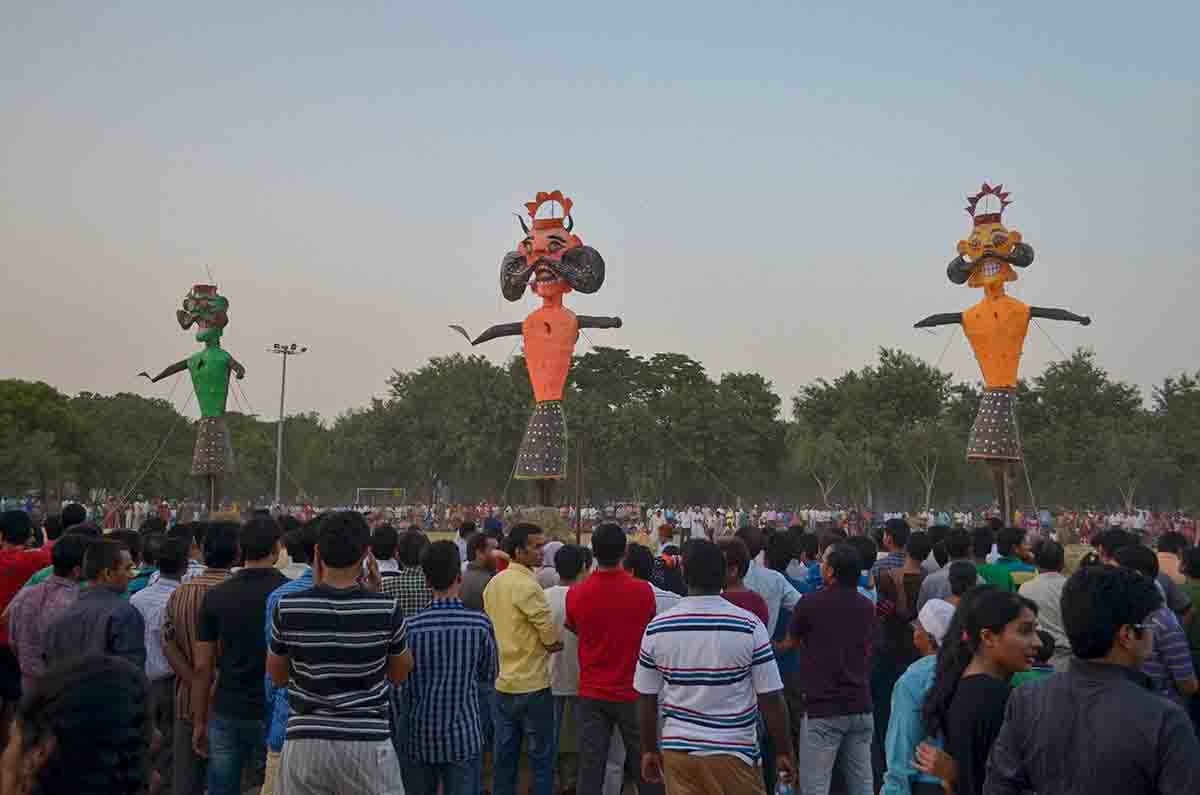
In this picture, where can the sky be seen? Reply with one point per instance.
(774, 187)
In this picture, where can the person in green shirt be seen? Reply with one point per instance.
(1014, 559)
(1191, 619)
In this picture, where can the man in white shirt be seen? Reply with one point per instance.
(1045, 590)
(564, 664)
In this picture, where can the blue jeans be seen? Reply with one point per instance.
(456, 778)
(844, 740)
(514, 717)
(232, 744)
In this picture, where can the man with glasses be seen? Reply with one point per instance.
(1097, 728)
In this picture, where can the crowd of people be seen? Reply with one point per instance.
(345, 654)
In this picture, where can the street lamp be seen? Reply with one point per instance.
(283, 351)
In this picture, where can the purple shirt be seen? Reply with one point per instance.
(32, 610)
(1171, 661)
(835, 626)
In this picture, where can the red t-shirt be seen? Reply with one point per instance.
(749, 600)
(16, 567)
(609, 612)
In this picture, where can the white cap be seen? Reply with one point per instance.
(935, 618)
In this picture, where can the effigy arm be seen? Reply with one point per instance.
(1050, 313)
(590, 321)
(944, 319)
(178, 367)
(499, 330)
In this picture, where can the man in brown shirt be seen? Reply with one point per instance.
(179, 638)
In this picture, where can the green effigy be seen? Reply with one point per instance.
(209, 369)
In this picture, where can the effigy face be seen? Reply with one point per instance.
(551, 260)
(988, 244)
(205, 308)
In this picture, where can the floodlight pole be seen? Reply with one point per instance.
(284, 351)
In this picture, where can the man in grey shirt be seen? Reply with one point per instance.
(937, 585)
(1045, 590)
(481, 568)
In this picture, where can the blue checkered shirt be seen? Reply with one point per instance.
(454, 651)
(277, 697)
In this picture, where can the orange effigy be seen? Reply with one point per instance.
(995, 327)
(551, 261)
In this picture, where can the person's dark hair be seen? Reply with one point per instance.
(846, 562)
(899, 530)
(982, 608)
(466, 529)
(996, 524)
(88, 529)
(342, 539)
(982, 539)
(474, 544)
(736, 555)
(703, 566)
(1048, 646)
(962, 576)
(937, 533)
(1090, 559)
(753, 539)
(1098, 600)
(568, 561)
(185, 532)
(668, 549)
(441, 564)
(939, 554)
(72, 514)
(100, 555)
(132, 542)
(781, 548)
(1049, 556)
(410, 546)
(1139, 558)
(1191, 562)
(258, 537)
(918, 546)
(608, 544)
(301, 542)
(97, 710)
(53, 526)
(587, 556)
(1110, 541)
(1009, 539)
(518, 537)
(958, 544)
(828, 538)
(866, 548)
(153, 524)
(172, 557)
(808, 545)
(151, 544)
(1173, 542)
(639, 562)
(221, 544)
(15, 527)
(68, 553)
(383, 542)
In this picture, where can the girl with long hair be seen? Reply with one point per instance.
(993, 636)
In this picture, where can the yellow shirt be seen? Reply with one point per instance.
(524, 627)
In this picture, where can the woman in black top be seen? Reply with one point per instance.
(993, 636)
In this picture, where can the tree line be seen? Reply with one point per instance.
(890, 435)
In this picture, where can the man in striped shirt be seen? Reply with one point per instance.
(711, 665)
(339, 648)
(454, 650)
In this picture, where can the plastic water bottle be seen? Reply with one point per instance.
(784, 789)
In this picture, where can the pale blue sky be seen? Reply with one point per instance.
(774, 188)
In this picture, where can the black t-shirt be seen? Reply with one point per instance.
(972, 725)
(837, 626)
(234, 614)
